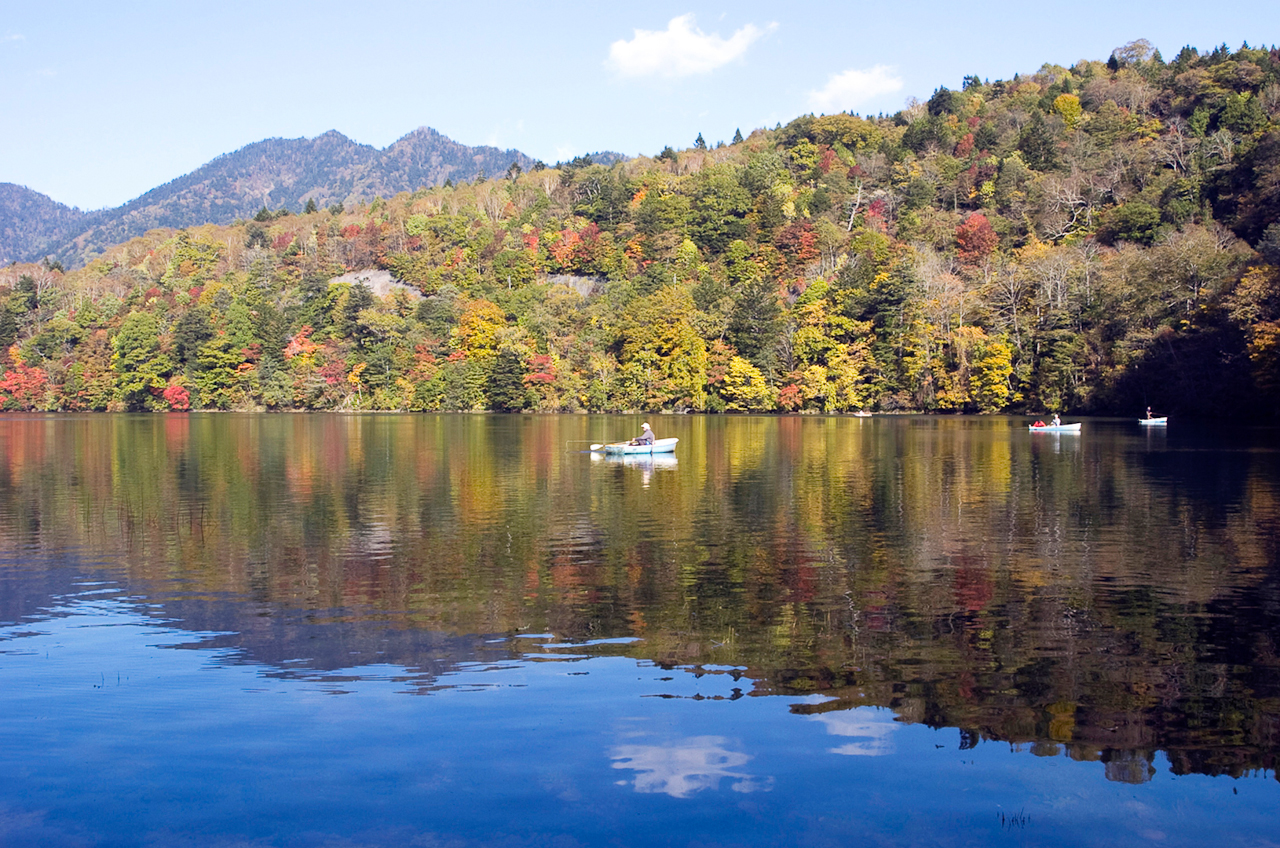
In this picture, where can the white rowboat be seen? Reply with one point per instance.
(625, 448)
(1055, 428)
(1153, 422)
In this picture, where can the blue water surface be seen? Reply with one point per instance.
(113, 735)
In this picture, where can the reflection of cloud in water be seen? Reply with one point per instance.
(872, 727)
(685, 766)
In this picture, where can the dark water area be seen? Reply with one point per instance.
(332, 630)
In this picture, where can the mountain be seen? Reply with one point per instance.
(30, 223)
(276, 173)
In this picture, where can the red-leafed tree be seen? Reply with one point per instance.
(177, 396)
(827, 160)
(301, 345)
(975, 239)
(542, 370)
(798, 242)
(22, 386)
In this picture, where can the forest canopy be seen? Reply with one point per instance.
(1093, 239)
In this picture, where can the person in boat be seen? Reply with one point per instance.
(1148, 412)
(1038, 423)
(645, 437)
(1057, 422)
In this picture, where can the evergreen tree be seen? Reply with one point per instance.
(507, 392)
(190, 332)
(755, 323)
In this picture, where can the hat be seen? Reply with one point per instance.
(645, 426)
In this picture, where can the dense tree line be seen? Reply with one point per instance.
(1096, 238)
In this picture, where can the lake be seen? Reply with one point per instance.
(368, 630)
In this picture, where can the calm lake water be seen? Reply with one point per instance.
(331, 630)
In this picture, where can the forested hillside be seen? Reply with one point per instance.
(1097, 238)
(32, 225)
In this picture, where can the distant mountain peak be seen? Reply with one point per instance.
(275, 173)
(31, 223)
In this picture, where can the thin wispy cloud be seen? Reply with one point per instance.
(681, 49)
(853, 88)
(8, 38)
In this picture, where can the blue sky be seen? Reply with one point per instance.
(104, 101)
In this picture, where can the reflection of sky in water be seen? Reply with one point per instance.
(685, 766)
(110, 739)
(872, 728)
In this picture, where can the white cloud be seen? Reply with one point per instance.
(681, 50)
(853, 88)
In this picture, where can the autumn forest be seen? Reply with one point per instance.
(1092, 239)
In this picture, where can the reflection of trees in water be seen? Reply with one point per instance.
(1071, 592)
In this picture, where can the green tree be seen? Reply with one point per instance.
(663, 357)
(720, 206)
(755, 322)
(1038, 143)
(190, 332)
(1134, 221)
(506, 389)
(1243, 114)
(142, 369)
(219, 363)
(347, 308)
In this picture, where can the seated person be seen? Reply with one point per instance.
(645, 437)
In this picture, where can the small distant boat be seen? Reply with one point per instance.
(626, 448)
(1055, 428)
(862, 413)
(1154, 422)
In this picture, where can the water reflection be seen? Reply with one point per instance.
(872, 728)
(683, 767)
(1111, 596)
(645, 463)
